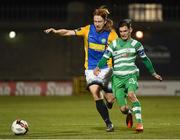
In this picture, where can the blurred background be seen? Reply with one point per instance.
(28, 54)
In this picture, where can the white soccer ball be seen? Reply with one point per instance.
(19, 127)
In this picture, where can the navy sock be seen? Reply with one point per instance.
(103, 111)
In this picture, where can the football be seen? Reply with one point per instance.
(19, 127)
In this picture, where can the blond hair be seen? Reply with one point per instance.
(104, 12)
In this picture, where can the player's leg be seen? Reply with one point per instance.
(100, 106)
(120, 95)
(109, 97)
(136, 110)
(107, 87)
(94, 86)
(132, 87)
(121, 100)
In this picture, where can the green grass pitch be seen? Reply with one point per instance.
(75, 117)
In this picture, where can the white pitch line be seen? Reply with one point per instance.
(165, 124)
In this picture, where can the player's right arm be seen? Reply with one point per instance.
(65, 32)
(61, 32)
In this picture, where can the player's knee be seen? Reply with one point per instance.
(95, 91)
(132, 97)
(111, 100)
(109, 97)
(124, 110)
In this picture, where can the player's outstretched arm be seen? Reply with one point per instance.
(61, 32)
(50, 30)
(150, 68)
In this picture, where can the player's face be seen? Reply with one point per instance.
(125, 32)
(99, 23)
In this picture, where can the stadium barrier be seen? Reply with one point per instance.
(79, 85)
(42, 88)
(156, 88)
(146, 88)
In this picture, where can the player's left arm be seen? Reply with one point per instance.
(147, 62)
(100, 64)
(106, 56)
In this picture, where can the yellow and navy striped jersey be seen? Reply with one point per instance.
(95, 44)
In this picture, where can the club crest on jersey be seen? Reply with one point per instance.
(103, 40)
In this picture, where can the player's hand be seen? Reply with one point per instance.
(157, 76)
(96, 71)
(50, 30)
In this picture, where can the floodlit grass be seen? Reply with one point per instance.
(75, 117)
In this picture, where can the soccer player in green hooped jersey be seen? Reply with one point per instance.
(123, 51)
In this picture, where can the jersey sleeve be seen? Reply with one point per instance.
(82, 31)
(102, 62)
(147, 62)
(106, 56)
(112, 36)
(140, 50)
(108, 53)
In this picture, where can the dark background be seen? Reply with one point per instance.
(34, 55)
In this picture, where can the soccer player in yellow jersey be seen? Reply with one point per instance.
(96, 37)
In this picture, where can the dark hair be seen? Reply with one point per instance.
(125, 22)
(104, 12)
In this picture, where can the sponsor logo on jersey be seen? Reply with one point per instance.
(124, 55)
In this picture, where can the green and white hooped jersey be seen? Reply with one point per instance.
(124, 54)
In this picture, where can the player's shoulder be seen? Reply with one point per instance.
(85, 27)
(135, 43)
(112, 31)
(114, 42)
(82, 30)
(113, 35)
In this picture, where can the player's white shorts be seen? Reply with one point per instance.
(103, 79)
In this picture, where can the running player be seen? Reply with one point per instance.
(96, 37)
(123, 51)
